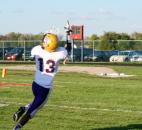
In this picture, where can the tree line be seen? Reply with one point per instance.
(105, 36)
(107, 41)
(117, 36)
(118, 41)
(20, 36)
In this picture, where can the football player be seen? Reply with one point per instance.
(69, 42)
(47, 57)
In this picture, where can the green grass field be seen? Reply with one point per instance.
(78, 101)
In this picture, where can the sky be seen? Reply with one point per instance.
(97, 16)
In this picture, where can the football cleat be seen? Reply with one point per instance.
(18, 113)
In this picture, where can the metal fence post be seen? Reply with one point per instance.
(72, 50)
(3, 51)
(82, 48)
(93, 49)
(118, 46)
(24, 50)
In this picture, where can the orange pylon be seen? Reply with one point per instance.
(4, 72)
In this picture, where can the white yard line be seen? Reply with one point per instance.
(3, 105)
(78, 108)
(96, 109)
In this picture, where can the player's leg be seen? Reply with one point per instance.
(23, 109)
(66, 60)
(69, 54)
(41, 95)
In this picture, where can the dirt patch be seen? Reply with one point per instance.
(79, 69)
(89, 70)
(66, 68)
(13, 84)
(100, 71)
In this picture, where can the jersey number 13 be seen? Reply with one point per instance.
(49, 67)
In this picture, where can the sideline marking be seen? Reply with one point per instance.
(97, 109)
(78, 108)
(3, 105)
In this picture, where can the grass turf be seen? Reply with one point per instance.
(78, 101)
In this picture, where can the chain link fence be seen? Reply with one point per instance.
(82, 51)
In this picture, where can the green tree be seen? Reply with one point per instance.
(124, 36)
(94, 37)
(108, 41)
